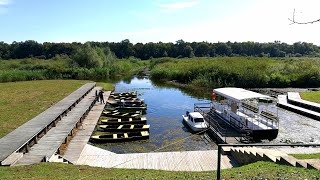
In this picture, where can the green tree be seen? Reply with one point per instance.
(89, 57)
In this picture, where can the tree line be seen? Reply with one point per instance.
(144, 51)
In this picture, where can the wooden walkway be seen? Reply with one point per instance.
(21, 139)
(170, 161)
(79, 141)
(49, 144)
(283, 103)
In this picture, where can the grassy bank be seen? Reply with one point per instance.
(313, 96)
(21, 101)
(306, 156)
(259, 170)
(63, 68)
(248, 72)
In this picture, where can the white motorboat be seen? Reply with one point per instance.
(195, 121)
(242, 110)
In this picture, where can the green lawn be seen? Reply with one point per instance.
(306, 156)
(259, 170)
(21, 101)
(313, 96)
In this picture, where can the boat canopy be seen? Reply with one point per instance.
(238, 94)
(196, 115)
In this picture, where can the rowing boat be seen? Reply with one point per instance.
(110, 121)
(121, 137)
(118, 114)
(125, 127)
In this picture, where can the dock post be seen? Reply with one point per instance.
(219, 162)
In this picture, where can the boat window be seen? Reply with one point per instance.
(191, 118)
(198, 120)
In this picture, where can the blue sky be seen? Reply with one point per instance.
(157, 20)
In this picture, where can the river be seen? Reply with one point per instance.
(166, 105)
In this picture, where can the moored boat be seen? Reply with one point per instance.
(125, 127)
(120, 137)
(195, 121)
(243, 111)
(118, 114)
(142, 120)
(126, 109)
(126, 94)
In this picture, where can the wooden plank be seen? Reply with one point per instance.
(172, 161)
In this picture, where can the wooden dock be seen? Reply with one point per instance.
(170, 161)
(79, 141)
(50, 143)
(19, 141)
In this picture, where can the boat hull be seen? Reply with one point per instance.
(124, 128)
(113, 121)
(115, 138)
(194, 129)
(257, 135)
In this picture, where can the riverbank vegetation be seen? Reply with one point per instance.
(259, 170)
(86, 64)
(247, 72)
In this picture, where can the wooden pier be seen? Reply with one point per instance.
(79, 141)
(19, 142)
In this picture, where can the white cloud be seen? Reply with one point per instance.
(171, 7)
(4, 2)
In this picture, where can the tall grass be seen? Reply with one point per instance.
(62, 68)
(239, 71)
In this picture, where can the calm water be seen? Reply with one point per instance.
(164, 114)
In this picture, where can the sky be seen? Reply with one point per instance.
(159, 20)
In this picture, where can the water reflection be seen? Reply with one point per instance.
(166, 105)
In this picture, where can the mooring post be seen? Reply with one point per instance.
(219, 162)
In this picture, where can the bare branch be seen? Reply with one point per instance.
(293, 21)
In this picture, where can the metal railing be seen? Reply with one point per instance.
(205, 110)
(254, 145)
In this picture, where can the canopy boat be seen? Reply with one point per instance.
(121, 137)
(125, 127)
(118, 114)
(126, 94)
(107, 121)
(195, 121)
(243, 110)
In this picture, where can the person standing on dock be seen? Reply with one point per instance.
(97, 95)
(101, 97)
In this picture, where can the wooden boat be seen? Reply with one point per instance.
(125, 127)
(242, 110)
(110, 121)
(123, 102)
(195, 121)
(126, 94)
(127, 109)
(118, 114)
(121, 137)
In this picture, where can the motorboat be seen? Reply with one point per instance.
(195, 121)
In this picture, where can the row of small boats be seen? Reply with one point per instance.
(122, 119)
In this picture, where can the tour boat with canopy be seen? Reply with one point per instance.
(243, 111)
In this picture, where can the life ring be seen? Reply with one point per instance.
(213, 96)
